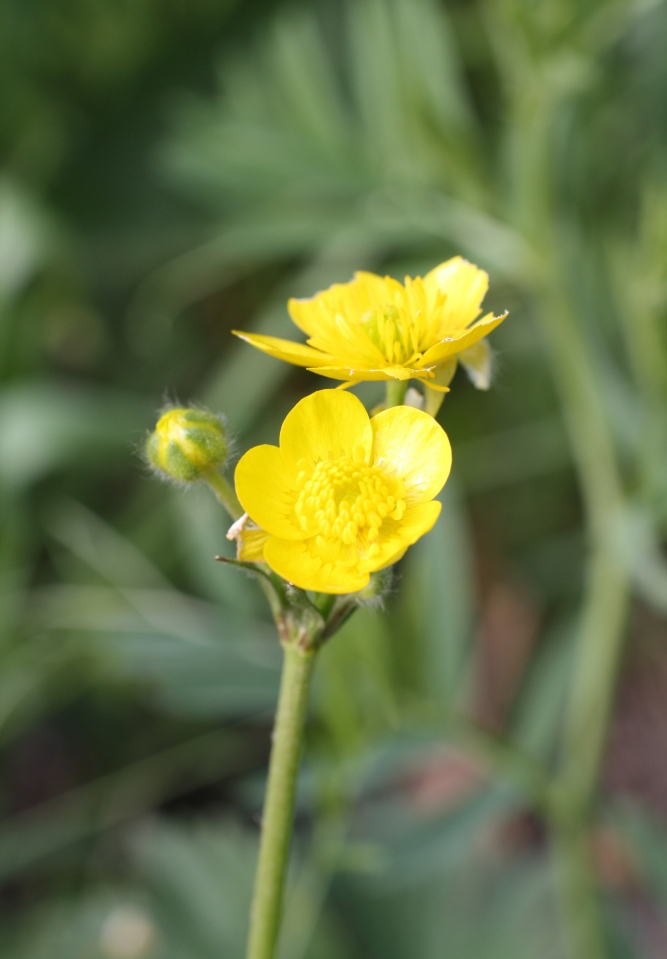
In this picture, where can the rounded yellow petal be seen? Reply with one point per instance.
(463, 286)
(297, 353)
(305, 313)
(325, 426)
(410, 444)
(300, 565)
(396, 535)
(265, 487)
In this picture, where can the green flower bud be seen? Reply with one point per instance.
(187, 444)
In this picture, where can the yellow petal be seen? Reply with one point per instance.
(305, 312)
(297, 353)
(296, 563)
(332, 321)
(464, 287)
(346, 342)
(250, 544)
(477, 362)
(265, 487)
(396, 535)
(250, 540)
(411, 445)
(436, 354)
(360, 373)
(348, 373)
(324, 426)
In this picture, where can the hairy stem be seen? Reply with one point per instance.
(278, 813)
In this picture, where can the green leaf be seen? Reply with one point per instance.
(200, 879)
(45, 427)
(194, 658)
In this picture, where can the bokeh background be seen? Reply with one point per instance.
(171, 170)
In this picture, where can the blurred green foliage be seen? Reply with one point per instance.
(171, 171)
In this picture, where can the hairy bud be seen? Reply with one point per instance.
(187, 444)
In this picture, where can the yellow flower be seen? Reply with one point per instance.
(375, 328)
(344, 495)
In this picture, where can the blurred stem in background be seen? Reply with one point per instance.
(534, 108)
(602, 626)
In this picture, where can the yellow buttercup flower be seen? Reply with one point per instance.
(344, 495)
(375, 328)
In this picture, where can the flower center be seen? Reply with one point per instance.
(345, 502)
(391, 331)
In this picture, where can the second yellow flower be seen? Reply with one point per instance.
(344, 495)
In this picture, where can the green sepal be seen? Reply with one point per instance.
(178, 466)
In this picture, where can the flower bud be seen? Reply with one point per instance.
(187, 444)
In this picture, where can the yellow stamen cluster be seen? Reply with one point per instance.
(392, 334)
(344, 500)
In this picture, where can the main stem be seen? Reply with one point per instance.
(396, 390)
(278, 813)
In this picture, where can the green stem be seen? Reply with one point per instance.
(536, 212)
(602, 629)
(594, 682)
(396, 390)
(578, 889)
(603, 620)
(278, 813)
(224, 493)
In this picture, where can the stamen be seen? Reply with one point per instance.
(342, 506)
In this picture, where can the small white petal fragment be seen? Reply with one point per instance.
(477, 362)
(414, 398)
(236, 528)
